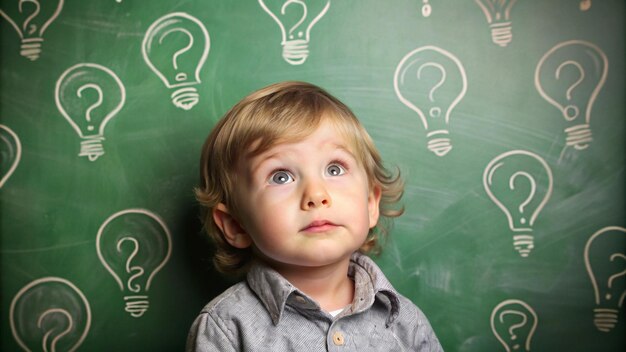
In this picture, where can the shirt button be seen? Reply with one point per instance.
(300, 299)
(338, 338)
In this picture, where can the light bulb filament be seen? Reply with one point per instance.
(137, 270)
(93, 106)
(46, 337)
(299, 22)
(181, 50)
(32, 28)
(613, 277)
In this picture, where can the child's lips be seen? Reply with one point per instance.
(319, 226)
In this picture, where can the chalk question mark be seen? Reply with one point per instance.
(533, 187)
(32, 27)
(54, 313)
(615, 276)
(304, 14)
(181, 76)
(136, 271)
(435, 111)
(514, 327)
(93, 106)
(571, 112)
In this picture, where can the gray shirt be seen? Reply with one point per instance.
(267, 313)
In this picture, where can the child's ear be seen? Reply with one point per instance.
(230, 227)
(373, 202)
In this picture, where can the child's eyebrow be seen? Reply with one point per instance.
(259, 161)
(263, 157)
(345, 149)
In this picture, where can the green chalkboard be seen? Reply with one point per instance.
(507, 119)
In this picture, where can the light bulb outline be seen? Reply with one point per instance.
(295, 51)
(136, 305)
(578, 136)
(16, 155)
(91, 145)
(185, 95)
(606, 312)
(438, 142)
(488, 181)
(498, 15)
(31, 46)
(44, 281)
(523, 243)
(498, 313)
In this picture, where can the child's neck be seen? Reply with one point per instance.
(329, 286)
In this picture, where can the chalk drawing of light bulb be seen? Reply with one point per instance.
(498, 14)
(10, 153)
(514, 322)
(88, 96)
(134, 245)
(570, 76)
(295, 18)
(175, 48)
(520, 183)
(431, 82)
(30, 19)
(605, 260)
(50, 314)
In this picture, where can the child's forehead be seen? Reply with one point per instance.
(324, 137)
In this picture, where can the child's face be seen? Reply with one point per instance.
(307, 203)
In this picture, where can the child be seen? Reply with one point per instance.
(292, 188)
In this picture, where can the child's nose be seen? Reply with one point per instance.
(315, 195)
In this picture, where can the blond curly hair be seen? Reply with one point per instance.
(283, 113)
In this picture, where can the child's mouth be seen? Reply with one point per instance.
(319, 226)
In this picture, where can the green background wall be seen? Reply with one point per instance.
(531, 121)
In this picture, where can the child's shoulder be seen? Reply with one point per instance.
(216, 325)
(238, 294)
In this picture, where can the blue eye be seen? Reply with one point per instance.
(335, 170)
(281, 178)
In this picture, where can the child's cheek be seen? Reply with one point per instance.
(279, 195)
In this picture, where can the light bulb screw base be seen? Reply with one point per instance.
(501, 33)
(91, 147)
(605, 319)
(437, 144)
(136, 306)
(440, 146)
(523, 244)
(185, 98)
(31, 48)
(578, 136)
(296, 51)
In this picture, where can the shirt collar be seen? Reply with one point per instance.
(275, 291)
